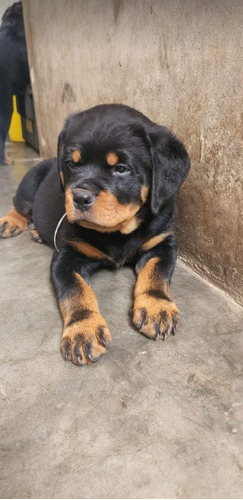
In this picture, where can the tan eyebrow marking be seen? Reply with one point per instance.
(76, 156)
(112, 159)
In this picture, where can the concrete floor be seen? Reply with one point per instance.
(149, 420)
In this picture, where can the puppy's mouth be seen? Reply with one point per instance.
(101, 211)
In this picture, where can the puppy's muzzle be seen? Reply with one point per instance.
(83, 198)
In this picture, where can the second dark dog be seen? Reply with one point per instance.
(14, 68)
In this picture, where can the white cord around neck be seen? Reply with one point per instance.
(56, 230)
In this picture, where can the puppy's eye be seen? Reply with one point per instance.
(121, 170)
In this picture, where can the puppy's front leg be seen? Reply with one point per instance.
(154, 312)
(86, 334)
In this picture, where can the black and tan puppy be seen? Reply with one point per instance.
(107, 201)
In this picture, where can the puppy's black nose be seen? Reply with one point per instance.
(83, 198)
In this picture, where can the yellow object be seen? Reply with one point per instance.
(15, 129)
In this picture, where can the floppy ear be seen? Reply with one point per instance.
(170, 163)
(60, 147)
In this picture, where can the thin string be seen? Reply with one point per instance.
(55, 234)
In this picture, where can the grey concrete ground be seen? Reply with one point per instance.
(149, 420)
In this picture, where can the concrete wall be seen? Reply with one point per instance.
(177, 61)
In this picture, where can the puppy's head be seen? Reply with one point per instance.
(112, 160)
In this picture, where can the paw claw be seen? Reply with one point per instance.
(173, 332)
(157, 332)
(105, 341)
(79, 360)
(165, 333)
(66, 349)
(88, 352)
(13, 231)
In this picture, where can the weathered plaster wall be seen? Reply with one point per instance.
(179, 62)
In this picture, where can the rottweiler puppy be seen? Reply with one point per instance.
(14, 68)
(106, 201)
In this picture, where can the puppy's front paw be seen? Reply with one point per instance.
(12, 224)
(85, 341)
(155, 317)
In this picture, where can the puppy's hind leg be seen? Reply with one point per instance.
(6, 109)
(17, 219)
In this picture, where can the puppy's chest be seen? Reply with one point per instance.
(123, 252)
(113, 251)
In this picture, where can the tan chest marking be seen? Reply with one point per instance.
(155, 241)
(89, 250)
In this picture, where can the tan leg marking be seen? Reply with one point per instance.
(12, 224)
(86, 334)
(154, 313)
